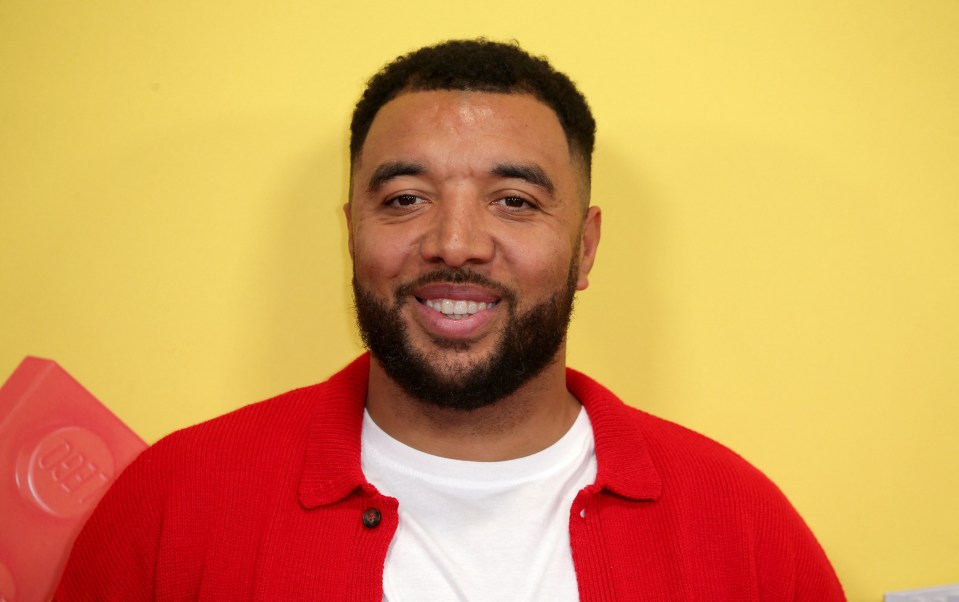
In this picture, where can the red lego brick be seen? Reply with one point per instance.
(60, 449)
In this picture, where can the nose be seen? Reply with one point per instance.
(459, 234)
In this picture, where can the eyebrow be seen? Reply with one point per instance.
(394, 169)
(529, 172)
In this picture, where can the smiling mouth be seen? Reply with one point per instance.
(457, 309)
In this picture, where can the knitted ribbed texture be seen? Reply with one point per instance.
(267, 503)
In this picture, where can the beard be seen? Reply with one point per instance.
(528, 344)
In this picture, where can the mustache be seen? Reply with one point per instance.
(457, 276)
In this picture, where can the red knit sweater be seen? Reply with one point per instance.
(267, 503)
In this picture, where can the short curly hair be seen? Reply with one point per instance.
(483, 66)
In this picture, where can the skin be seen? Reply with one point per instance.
(477, 181)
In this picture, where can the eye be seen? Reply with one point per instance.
(405, 200)
(514, 203)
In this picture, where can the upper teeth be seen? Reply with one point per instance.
(457, 308)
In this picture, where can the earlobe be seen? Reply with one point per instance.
(589, 242)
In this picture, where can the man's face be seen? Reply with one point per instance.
(468, 239)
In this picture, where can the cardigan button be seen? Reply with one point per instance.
(371, 518)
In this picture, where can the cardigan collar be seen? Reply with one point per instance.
(624, 465)
(332, 470)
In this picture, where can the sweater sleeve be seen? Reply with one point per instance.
(791, 564)
(736, 532)
(815, 578)
(114, 556)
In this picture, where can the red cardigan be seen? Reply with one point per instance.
(268, 503)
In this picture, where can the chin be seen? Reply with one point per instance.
(452, 363)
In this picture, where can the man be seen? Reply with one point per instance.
(460, 459)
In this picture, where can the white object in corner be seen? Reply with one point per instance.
(943, 593)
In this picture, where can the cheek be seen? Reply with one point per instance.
(540, 261)
(378, 260)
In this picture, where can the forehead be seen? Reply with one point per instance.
(459, 126)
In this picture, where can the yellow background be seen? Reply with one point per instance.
(780, 257)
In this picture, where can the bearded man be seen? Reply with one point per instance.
(460, 459)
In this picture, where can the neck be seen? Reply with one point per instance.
(528, 421)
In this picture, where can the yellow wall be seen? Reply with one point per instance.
(779, 268)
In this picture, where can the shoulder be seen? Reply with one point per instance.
(682, 453)
(266, 429)
(689, 467)
(256, 446)
(254, 431)
(278, 417)
(712, 504)
(206, 488)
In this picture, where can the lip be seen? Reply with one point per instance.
(456, 292)
(437, 324)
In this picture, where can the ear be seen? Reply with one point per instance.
(589, 242)
(349, 228)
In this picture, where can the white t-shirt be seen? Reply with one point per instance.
(480, 530)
